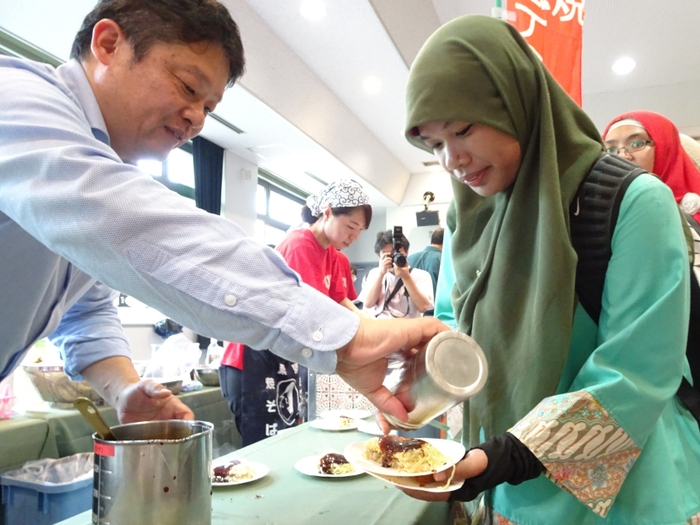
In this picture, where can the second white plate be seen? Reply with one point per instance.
(453, 450)
(260, 471)
(410, 482)
(334, 424)
(309, 466)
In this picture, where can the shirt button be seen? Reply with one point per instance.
(307, 352)
(478, 273)
(230, 300)
(317, 335)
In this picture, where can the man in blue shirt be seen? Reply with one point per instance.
(78, 220)
(428, 259)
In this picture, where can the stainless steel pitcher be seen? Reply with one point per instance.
(155, 472)
(449, 370)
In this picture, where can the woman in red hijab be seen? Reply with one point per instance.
(651, 141)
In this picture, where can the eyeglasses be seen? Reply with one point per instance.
(632, 147)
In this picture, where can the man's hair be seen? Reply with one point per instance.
(384, 238)
(437, 236)
(148, 22)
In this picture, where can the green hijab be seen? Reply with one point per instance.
(513, 259)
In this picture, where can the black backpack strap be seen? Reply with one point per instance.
(593, 216)
(690, 398)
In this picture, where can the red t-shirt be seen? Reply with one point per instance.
(345, 271)
(317, 267)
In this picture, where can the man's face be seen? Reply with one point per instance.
(158, 103)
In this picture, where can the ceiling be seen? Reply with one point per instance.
(301, 102)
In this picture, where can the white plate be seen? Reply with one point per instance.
(371, 427)
(334, 424)
(352, 413)
(410, 482)
(354, 452)
(309, 466)
(260, 472)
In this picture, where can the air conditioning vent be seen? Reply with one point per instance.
(431, 163)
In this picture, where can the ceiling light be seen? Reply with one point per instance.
(372, 85)
(313, 9)
(624, 65)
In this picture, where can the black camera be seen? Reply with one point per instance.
(398, 258)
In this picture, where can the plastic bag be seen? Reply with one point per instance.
(175, 358)
(7, 400)
(55, 471)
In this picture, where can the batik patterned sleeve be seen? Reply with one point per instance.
(589, 437)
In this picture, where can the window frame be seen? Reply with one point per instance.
(270, 187)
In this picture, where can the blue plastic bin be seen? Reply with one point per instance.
(29, 503)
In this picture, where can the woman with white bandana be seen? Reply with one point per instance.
(266, 392)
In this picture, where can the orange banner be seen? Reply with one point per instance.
(555, 31)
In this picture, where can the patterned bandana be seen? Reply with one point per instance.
(344, 193)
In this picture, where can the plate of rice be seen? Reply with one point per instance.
(331, 465)
(399, 456)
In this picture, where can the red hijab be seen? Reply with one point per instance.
(671, 162)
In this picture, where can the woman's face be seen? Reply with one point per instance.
(625, 137)
(483, 158)
(343, 230)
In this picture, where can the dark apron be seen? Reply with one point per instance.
(267, 396)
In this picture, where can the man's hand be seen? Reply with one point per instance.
(148, 400)
(362, 363)
(402, 272)
(386, 263)
(116, 380)
(472, 465)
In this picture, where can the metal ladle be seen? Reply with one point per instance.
(89, 411)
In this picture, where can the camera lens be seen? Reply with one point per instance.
(399, 259)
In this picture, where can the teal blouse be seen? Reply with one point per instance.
(618, 446)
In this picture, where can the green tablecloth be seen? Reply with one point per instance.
(23, 439)
(287, 497)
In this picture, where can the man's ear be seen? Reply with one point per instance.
(107, 37)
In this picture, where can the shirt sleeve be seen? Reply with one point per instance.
(425, 285)
(74, 195)
(589, 438)
(90, 331)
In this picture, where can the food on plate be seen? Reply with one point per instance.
(335, 464)
(408, 455)
(345, 421)
(232, 472)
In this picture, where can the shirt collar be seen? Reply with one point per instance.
(73, 77)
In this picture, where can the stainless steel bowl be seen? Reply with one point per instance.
(55, 386)
(208, 376)
(173, 384)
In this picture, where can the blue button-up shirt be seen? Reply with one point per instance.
(74, 216)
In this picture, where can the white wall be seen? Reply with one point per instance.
(240, 186)
(405, 216)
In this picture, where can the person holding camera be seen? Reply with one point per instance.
(393, 288)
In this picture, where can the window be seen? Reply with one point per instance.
(278, 209)
(176, 173)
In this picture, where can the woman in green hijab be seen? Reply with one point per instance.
(578, 422)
